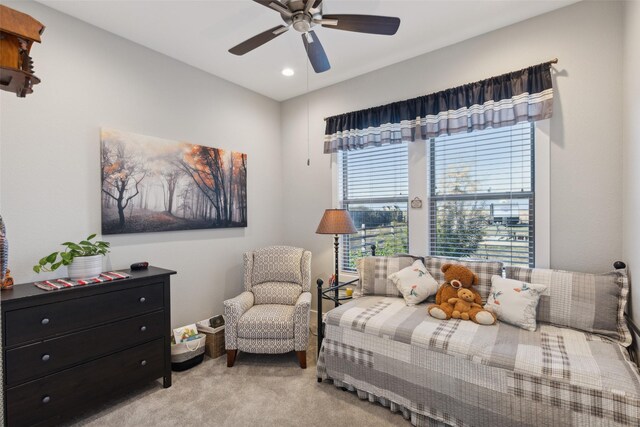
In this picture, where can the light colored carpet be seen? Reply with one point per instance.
(260, 390)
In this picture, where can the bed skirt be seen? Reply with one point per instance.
(418, 420)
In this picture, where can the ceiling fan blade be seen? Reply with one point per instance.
(277, 6)
(308, 5)
(258, 40)
(315, 52)
(371, 24)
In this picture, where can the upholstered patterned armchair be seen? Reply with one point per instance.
(272, 314)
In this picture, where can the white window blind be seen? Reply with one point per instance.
(373, 185)
(482, 202)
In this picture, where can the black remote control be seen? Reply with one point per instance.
(139, 266)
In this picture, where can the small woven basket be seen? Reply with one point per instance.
(214, 344)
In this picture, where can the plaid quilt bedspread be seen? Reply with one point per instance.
(460, 373)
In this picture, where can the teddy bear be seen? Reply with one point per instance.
(463, 304)
(458, 276)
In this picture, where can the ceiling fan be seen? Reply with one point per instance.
(303, 15)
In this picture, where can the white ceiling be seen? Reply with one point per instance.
(200, 32)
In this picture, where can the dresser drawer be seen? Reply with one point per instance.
(46, 357)
(70, 390)
(44, 321)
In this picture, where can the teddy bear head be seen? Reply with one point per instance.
(459, 274)
(465, 294)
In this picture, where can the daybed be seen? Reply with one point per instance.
(460, 373)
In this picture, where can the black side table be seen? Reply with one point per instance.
(329, 294)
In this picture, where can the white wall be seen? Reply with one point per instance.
(50, 163)
(586, 218)
(631, 150)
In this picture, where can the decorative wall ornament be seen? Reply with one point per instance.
(416, 203)
(18, 31)
(151, 184)
(6, 281)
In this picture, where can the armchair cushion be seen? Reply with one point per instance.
(277, 264)
(276, 293)
(272, 321)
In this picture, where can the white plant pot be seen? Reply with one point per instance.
(85, 267)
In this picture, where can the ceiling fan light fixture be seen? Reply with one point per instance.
(288, 72)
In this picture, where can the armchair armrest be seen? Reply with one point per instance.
(234, 308)
(302, 311)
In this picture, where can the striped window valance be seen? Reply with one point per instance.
(519, 96)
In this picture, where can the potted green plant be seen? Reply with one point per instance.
(83, 259)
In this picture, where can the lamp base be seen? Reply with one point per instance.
(336, 247)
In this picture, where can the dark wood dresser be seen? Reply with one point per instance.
(68, 349)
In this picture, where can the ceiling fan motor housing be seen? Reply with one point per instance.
(301, 22)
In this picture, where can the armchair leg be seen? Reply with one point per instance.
(302, 359)
(231, 357)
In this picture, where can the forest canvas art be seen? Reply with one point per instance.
(151, 184)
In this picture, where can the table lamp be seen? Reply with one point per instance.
(336, 222)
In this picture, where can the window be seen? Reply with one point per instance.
(373, 185)
(481, 201)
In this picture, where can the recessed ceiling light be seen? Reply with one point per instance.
(288, 72)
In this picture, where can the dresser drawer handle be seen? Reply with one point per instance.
(143, 363)
(46, 357)
(142, 299)
(45, 321)
(46, 399)
(143, 328)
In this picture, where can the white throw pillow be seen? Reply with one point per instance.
(414, 283)
(515, 302)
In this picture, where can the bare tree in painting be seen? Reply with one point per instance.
(106, 152)
(230, 197)
(184, 201)
(206, 167)
(242, 188)
(120, 172)
(238, 188)
(170, 180)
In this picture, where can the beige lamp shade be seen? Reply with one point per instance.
(336, 221)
